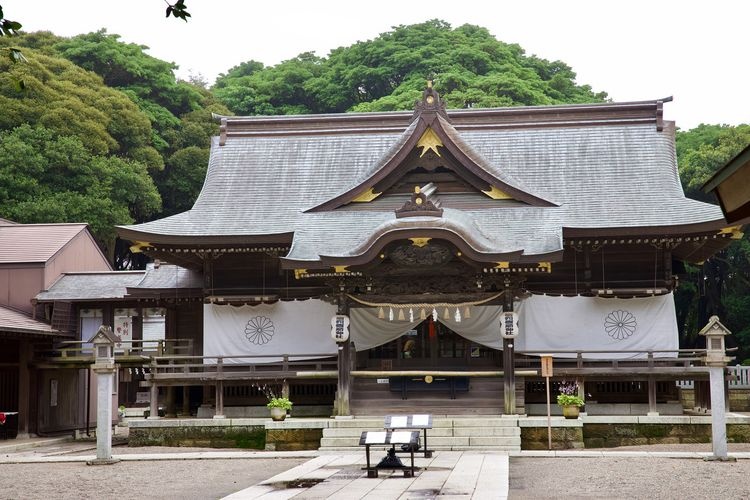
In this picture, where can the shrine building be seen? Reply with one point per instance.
(421, 230)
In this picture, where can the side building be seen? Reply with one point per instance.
(32, 258)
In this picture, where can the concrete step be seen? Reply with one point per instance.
(494, 441)
(500, 431)
(327, 443)
(485, 422)
(357, 431)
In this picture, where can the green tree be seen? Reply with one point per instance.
(47, 176)
(721, 285)
(469, 66)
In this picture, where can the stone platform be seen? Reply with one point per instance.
(498, 433)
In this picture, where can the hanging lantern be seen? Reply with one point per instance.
(457, 317)
(390, 314)
(401, 315)
(467, 312)
(422, 314)
(411, 315)
(381, 313)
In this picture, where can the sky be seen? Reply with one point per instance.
(695, 51)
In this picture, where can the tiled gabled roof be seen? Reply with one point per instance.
(607, 166)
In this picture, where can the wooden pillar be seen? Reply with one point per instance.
(219, 389)
(581, 383)
(219, 399)
(154, 403)
(652, 410)
(171, 402)
(344, 381)
(509, 374)
(24, 387)
(185, 401)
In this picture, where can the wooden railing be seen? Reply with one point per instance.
(78, 350)
(596, 362)
(176, 370)
(738, 378)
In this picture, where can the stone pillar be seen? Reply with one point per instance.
(716, 360)
(104, 367)
(718, 413)
(104, 384)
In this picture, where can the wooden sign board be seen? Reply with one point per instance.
(546, 366)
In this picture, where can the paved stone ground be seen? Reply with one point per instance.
(447, 475)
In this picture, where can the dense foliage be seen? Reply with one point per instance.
(721, 285)
(470, 67)
(124, 109)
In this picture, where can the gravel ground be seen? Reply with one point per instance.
(179, 479)
(632, 478)
(628, 478)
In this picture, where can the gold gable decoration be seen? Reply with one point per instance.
(497, 194)
(429, 141)
(366, 196)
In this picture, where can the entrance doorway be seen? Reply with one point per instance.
(431, 345)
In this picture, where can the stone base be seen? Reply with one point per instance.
(102, 461)
(720, 459)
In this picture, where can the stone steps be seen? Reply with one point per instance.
(448, 433)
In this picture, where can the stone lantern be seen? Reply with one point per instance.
(104, 367)
(716, 360)
(715, 332)
(104, 348)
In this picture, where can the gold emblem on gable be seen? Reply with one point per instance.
(429, 141)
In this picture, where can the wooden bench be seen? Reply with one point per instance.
(450, 384)
(402, 422)
(393, 438)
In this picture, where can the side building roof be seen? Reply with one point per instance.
(118, 285)
(32, 243)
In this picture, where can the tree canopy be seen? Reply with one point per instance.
(127, 111)
(721, 285)
(469, 66)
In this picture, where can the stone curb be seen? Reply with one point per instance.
(138, 457)
(36, 443)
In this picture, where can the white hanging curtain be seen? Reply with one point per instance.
(296, 327)
(368, 331)
(594, 323)
(483, 327)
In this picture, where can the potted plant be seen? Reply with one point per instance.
(569, 400)
(279, 405)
